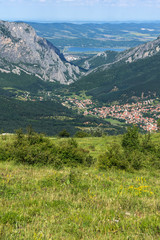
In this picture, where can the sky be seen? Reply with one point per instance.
(80, 10)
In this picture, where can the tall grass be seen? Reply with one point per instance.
(43, 203)
(78, 202)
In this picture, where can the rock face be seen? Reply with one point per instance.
(108, 58)
(22, 50)
(140, 52)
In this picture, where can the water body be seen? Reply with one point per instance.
(85, 49)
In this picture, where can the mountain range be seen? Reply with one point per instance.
(102, 35)
(29, 63)
(108, 58)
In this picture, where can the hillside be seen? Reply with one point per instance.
(21, 50)
(89, 63)
(107, 58)
(49, 117)
(135, 71)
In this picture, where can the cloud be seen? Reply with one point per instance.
(120, 3)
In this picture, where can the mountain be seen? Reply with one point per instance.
(131, 74)
(90, 63)
(101, 35)
(111, 57)
(22, 51)
(31, 71)
(36, 81)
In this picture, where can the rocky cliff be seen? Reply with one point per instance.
(140, 52)
(22, 50)
(106, 59)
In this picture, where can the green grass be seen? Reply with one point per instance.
(79, 203)
(95, 145)
(114, 121)
(42, 203)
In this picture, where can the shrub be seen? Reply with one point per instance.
(121, 159)
(96, 131)
(130, 139)
(147, 144)
(135, 159)
(113, 158)
(64, 134)
(81, 134)
(72, 155)
(34, 148)
(5, 153)
(19, 137)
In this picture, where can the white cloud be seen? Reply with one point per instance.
(120, 3)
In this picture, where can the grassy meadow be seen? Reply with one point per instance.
(45, 203)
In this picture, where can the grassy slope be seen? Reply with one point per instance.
(15, 114)
(49, 117)
(23, 82)
(131, 79)
(43, 203)
(46, 116)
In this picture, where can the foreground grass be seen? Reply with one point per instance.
(95, 145)
(43, 203)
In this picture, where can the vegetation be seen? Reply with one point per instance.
(92, 186)
(99, 60)
(131, 153)
(81, 134)
(77, 201)
(49, 117)
(64, 133)
(90, 35)
(36, 149)
(131, 79)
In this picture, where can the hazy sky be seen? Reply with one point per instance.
(80, 10)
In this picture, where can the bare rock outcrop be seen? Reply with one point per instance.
(22, 50)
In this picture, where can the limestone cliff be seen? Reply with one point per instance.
(22, 50)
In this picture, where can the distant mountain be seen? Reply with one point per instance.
(22, 51)
(132, 73)
(111, 57)
(103, 35)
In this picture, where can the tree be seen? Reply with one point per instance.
(130, 139)
(19, 137)
(81, 134)
(64, 133)
(158, 125)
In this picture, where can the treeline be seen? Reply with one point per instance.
(133, 152)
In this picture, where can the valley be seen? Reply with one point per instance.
(79, 120)
(83, 90)
(97, 35)
(144, 112)
(84, 160)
